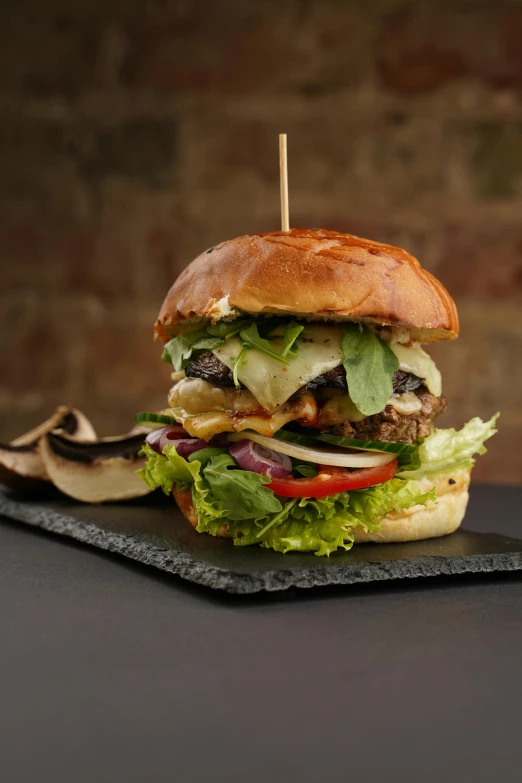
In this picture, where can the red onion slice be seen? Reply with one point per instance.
(252, 456)
(186, 446)
(158, 439)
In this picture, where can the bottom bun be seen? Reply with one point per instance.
(431, 521)
(413, 524)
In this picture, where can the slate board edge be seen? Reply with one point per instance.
(181, 564)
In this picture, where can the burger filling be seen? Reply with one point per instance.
(406, 418)
(295, 435)
(397, 388)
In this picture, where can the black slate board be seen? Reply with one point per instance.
(153, 531)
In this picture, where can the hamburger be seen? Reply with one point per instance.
(301, 416)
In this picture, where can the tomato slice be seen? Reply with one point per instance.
(332, 480)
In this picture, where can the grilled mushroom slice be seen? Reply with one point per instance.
(71, 420)
(21, 465)
(95, 472)
(22, 469)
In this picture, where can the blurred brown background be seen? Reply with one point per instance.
(135, 134)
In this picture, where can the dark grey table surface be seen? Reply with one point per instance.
(114, 672)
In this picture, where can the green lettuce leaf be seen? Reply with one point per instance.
(447, 450)
(241, 492)
(207, 343)
(254, 515)
(291, 333)
(179, 350)
(251, 338)
(203, 456)
(165, 470)
(239, 361)
(309, 524)
(212, 511)
(305, 469)
(226, 329)
(370, 365)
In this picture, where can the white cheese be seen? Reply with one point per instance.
(413, 359)
(406, 404)
(338, 409)
(195, 395)
(206, 425)
(272, 382)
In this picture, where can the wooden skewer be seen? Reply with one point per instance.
(283, 178)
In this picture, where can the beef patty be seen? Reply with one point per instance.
(389, 425)
(210, 368)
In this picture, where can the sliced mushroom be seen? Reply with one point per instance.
(22, 469)
(95, 472)
(71, 420)
(21, 464)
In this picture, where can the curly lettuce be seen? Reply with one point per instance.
(164, 470)
(254, 515)
(315, 525)
(448, 450)
(221, 492)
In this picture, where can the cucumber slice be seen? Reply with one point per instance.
(296, 437)
(347, 443)
(154, 418)
(368, 445)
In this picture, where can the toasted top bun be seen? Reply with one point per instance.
(412, 524)
(310, 274)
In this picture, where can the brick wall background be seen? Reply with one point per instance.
(135, 134)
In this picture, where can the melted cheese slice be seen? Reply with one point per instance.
(413, 359)
(207, 424)
(272, 382)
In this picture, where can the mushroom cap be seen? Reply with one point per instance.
(95, 472)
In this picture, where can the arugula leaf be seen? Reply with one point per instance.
(370, 365)
(239, 361)
(292, 332)
(313, 525)
(254, 515)
(203, 456)
(252, 338)
(308, 471)
(179, 350)
(207, 343)
(284, 513)
(228, 329)
(240, 492)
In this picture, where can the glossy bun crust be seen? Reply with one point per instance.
(313, 275)
(412, 524)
